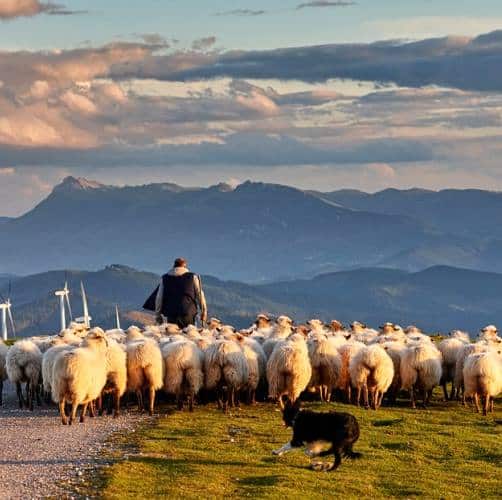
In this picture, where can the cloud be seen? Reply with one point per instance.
(460, 62)
(11, 9)
(324, 3)
(154, 39)
(203, 43)
(241, 12)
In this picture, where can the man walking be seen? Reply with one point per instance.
(179, 296)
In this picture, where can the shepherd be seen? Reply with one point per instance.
(179, 297)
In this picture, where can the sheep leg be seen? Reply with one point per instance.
(37, 394)
(445, 391)
(486, 404)
(349, 394)
(412, 397)
(116, 400)
(179, 400)
(1, 392)
(83, 412)
(281, 403)
(19, 392)
(99, 404)
(62, 411)
(73, 414)
(365, 396)
(151, 399)
(358, 396)
(190, 403)
(453, 392)
(139, 397)
(491, 404)
(92, 409)
(32, 389)
(476, 401)
(424, 398)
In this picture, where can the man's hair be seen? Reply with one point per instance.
(180, 262)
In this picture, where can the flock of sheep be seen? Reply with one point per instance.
(87, 368)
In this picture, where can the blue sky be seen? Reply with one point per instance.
(281, 26)
(197, 92)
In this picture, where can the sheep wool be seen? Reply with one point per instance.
(184, 375)
(79, 375)
(449, 348)
(24, 365)
(326, 364)
(226, 371)
(145, 369)
(3, 368)
(288, 369)
(483, 378)
(421, 369)
(371, 372)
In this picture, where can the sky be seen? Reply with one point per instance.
(316, 94)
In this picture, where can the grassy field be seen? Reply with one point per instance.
(443, 452)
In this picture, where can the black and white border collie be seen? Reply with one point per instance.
(341, 430)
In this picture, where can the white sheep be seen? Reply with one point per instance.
(483, 378)
(79, 375)
(184, 376)
(3, 368)
(489, 333)
(361, 333)
(288, 369)
(395, 351)
(49, 356)
(371, 372)
(257, 365)
(24, 365)
(421, 369)
(326, 364)
(116, 377)
(449, 348)
(462, 355)
(283, 328)
(226, 371)
(144, 367)
(347, 351)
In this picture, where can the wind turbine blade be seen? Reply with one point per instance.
(117, 316)
(67, 299)
(84, 304)
(11, 319)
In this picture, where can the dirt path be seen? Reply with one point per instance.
(41, 458)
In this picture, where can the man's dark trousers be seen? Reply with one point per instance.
(182, 321)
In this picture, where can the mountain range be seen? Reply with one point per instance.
(254, 232)
(440, 298)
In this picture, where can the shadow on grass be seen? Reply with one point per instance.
(387, 422)
(396, 490)
(257, 486)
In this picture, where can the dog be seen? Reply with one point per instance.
(341, 430)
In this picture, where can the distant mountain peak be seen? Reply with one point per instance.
(71, 183)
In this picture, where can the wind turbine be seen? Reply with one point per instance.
(85, 319)
(117, 317)
(5, 307)
(64, 301)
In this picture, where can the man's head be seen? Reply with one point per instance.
(180, 262)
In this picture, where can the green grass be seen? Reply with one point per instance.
(443, 452)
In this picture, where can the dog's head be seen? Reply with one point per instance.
(290, 412)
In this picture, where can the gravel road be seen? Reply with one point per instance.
(41, 458)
